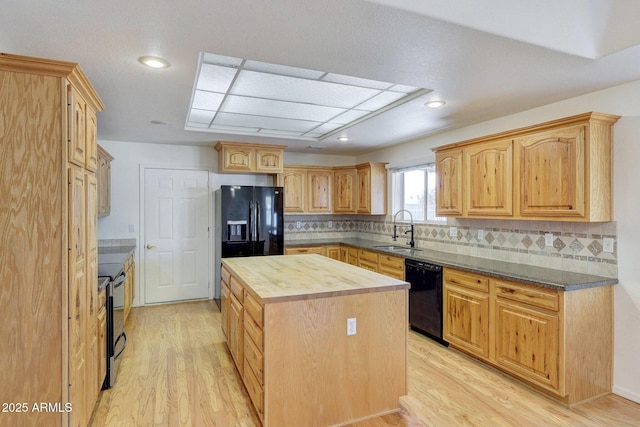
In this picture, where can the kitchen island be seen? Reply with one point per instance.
(317, 342)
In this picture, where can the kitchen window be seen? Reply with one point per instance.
(414, 190)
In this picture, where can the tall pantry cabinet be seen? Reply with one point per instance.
(48, 235)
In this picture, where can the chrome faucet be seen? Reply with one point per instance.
(410, 230)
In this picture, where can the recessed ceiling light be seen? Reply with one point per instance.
(343, 138)
(434, 104)
(153, 62)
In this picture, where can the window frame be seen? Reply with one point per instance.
(398, 191)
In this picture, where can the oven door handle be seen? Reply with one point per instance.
(119, 279)
(115, 345)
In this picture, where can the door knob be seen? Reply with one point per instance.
(150, 246)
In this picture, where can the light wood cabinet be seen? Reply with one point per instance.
(344, 190)
(488, 179)
(558, 342)
(102, 340)
(368, 259)
(129, 284)
(552, 173)
(320, 250)
(392, 266)
(449, 182)
(48, 132)
(333, 252)
(559, 170)
(319, 183)
(236, 331)
(371, 179)
(294, 182)
(306, 189)
(466, 313)
(237, 157)
(104, 181)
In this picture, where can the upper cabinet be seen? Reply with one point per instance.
(236, 157)
(559, 170)
(104, 181)
(344, 190)
(358, 189)
(372, 188)
(449, 182)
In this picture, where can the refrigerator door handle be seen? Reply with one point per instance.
(250, 225)
(257, 222)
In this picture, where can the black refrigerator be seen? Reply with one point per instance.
(249, 222)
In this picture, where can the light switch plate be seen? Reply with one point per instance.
(607, 244)
(298, 225)
(453, 231)
(548, 239)
(480, 234)
(330, 224)
(351, 326)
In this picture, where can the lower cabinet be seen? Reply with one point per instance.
(559, 342)
(242, 325)
(129, 284)
(320, 250)
(102, 339)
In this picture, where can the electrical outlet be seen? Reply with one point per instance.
(480, 234)
(453, 231)
(607, 244)
(548, 239)
(351, 326)
(298, 225)
(330, 224)
(131, 228)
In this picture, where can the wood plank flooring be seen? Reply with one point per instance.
(176, 371)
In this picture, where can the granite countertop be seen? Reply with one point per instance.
(539, 276)
(111, 259)
(297, 277)
(102, 283)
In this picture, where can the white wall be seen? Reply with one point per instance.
(125, 189)
(623, 100)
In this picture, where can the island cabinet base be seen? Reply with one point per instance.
(316, 375)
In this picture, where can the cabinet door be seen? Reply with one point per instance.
(77, 128)
(236, 332)
(551, 175)
(333, 252)
(344, 191)
(77, 294)
(237, 159)
(225, 302)
(320, 250)
(352, 256)
(102, 346)
(293, 181)
(449, 183)
(319, 191)
(527, 342)
(269, 160)
(363, 176)
(488, 171)
(91, 140)
(466, 319)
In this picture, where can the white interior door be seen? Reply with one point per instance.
(176, 231)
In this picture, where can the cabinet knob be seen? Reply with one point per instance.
(150, 247)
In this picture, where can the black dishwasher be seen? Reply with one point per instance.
(425, 298)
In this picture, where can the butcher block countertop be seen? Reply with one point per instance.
(298, 277)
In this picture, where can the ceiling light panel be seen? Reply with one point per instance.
(271, 86)
(245, 120)
(239, 96)
(214, 78)
(282, 109)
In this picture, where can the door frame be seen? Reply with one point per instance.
(141, 284)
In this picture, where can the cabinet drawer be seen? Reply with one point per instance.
(395, 273)
(306, 250)
(528, 294)
(352, 256)
(368, 265)
(367, 256)
(237, 289)
(224, 273)
(253, 357)
(253, 387)
(253, 308)
(390, 263)
(467, 280)
(254, 331)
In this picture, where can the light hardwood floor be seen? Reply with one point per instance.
(176, 371)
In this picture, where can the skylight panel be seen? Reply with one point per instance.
(282, 109)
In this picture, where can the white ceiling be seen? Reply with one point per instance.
(485, 59)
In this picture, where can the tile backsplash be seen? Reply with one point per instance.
(576, 247)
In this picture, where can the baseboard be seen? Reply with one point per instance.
(627, 394)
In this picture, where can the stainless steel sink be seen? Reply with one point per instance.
(400, 249)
